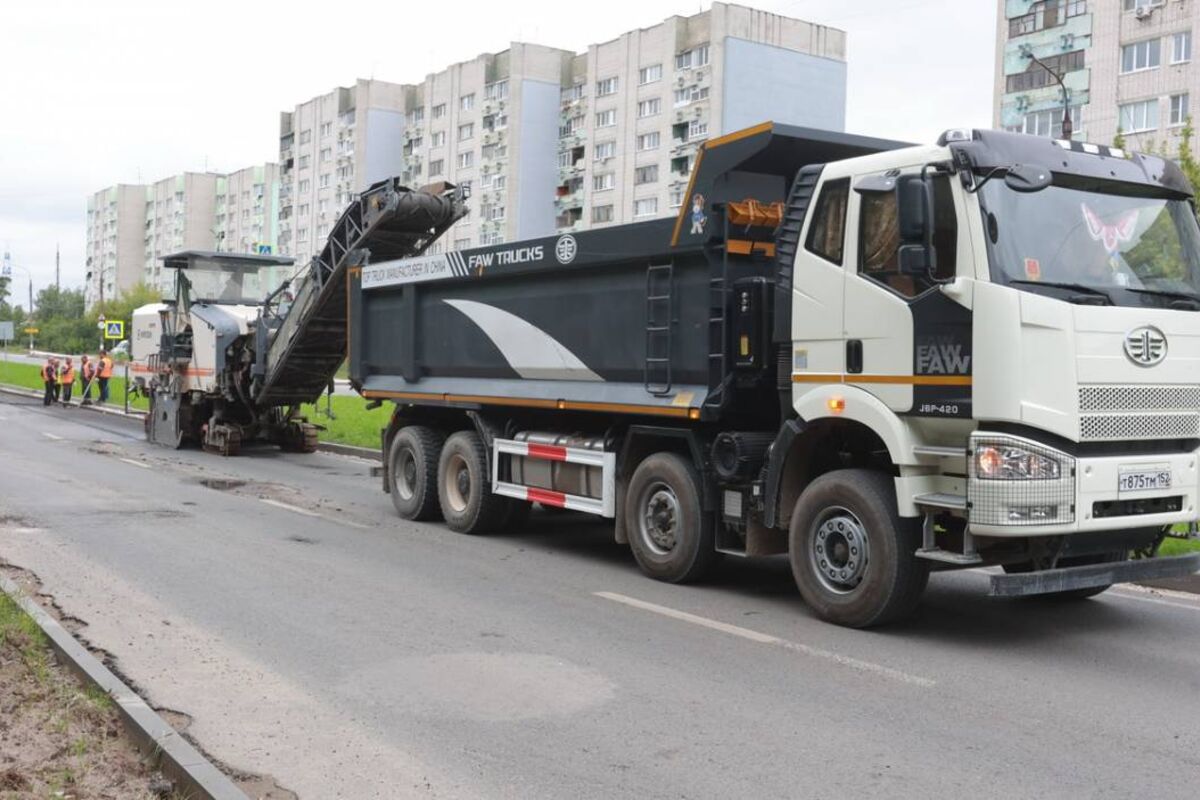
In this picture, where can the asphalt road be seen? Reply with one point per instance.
(313, 636)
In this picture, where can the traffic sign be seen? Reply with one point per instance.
(114, 329)
(6, 332)
(31, 331)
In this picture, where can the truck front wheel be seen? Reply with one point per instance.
(463, 489)
(671, 537)
(412, 470)
(852, 554)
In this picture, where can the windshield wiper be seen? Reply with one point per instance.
(1077, 287)
(1185, 296)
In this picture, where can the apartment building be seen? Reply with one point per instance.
(179, 214)
(115, 232)
(634, 110)
(1126, 66)
(246, 212)
(330, 148)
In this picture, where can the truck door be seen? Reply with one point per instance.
(818, 284)
(880, 300)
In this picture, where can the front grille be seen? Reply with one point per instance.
(1139, 398)
(1093, 427)
(1141, 412)
(1133, 508)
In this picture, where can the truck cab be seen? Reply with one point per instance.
(1016, 322)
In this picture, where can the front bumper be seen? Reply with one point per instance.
(1093, 575)
(1085, 497)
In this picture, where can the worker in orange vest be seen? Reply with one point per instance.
(50, 380)
(103, 373)
(66, 378)
(87, 374)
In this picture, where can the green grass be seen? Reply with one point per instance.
(1179, 547)
(17, 629)
(353, 423)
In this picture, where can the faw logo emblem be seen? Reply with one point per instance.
(1146, 346)
(565, 249)
(942, 359)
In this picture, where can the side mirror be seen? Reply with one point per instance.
(914, 209)
(1027, 178)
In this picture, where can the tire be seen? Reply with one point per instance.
(853, 556)
(671, 537)
(1077, 561)
(412, 472)
(463, 486)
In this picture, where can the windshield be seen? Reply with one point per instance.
(227, 286)
(1132, 250)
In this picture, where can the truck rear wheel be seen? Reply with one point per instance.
(852, 554)
(671, 537)
(463, 486)
(412, 471)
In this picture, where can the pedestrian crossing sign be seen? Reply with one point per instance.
(114, 330)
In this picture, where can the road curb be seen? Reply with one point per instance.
(192, 773)
(369, 453)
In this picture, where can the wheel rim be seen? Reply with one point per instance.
(406, 473)
(457, 483)
(839, 550)
(658, 522)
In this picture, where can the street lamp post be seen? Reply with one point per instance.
(1066, 122)
(7, 273)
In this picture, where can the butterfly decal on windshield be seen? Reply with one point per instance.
(1111, 235)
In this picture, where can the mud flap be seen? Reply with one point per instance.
(1093, 575)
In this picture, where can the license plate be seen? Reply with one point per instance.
(1153, 478)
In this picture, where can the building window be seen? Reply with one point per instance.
(323, 181)
(437, 139)
(1046, 14)
(467, 102)
(573, 93)
(1141, 56)
(466, 131)
(571, 126)
(305, 136)
(648, 108)
(606, 119)
(1179, 109)
(1181, 47)
(697, 129)
(646, 207)
(304, 186)
(497, 213)
(1131, 5)
(649, 74)
(602, 213)
(692, 94)
(437, 167)
(605, 150)
(303, 164)
(462, 244)
(438, 111)
(603, 182)
(326, 153)
(302, 234)
(676, 198)
(499, 181)
(490, 237)
(466, 160)
(827, 232)
(648, 174)
(496, 91)
(606, 87)
(648, 141)
(1047, 123)
(1138, 117)
(416, 116)
(1034, 77)
(690, 59)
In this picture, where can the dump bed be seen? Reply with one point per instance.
(636, 319)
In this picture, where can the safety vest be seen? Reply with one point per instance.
(47, 373)
(87, 371)
(67, 375)
(105, 367)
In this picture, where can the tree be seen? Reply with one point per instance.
(1185, 157)
(1119, 140)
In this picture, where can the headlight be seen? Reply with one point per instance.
(1005, 462)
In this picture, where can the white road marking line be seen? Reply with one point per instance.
(52, 437)
(1155, 600)
(358, 525)
(289, 507)
(135, 462)
(766, 638)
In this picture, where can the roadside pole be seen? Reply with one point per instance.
(126, 387)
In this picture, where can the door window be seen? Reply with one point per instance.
(879, 240)
(828, 229)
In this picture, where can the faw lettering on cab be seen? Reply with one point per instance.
(516, 255)
(942, 359)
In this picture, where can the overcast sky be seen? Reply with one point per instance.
(96, 92)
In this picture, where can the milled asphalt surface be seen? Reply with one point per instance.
(350, 654)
